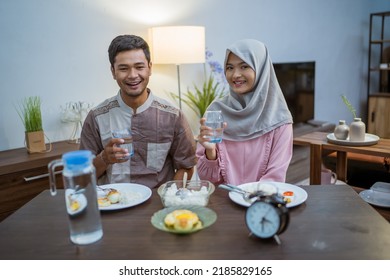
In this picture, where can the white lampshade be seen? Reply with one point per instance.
(177, 44)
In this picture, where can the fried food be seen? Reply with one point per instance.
(113, 196)
(74, 205)
(103, 202)
(183, 220)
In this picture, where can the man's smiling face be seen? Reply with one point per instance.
(132, 71)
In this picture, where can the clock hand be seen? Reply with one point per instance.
(263, 218)
(263, 221)
(266, 220)
(269, 209)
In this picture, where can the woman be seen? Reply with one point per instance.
(258, 136)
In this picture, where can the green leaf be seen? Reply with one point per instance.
(349, 105)
(199, 99)
(30, 113)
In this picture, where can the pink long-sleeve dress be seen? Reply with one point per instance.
(265, 158)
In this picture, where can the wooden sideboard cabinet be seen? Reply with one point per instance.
(378, 79)
(379, 115)
(24, 175)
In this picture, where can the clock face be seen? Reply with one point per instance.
(263, 219)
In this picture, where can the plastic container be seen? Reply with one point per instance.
(80, 195)
(199, 192)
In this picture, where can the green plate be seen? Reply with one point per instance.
(206, 215)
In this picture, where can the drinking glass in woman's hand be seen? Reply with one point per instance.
(214, 120)
(126, 135)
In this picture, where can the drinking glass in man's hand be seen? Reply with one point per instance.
(125, 134)
(214, 119)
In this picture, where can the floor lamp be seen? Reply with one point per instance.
(177, 45)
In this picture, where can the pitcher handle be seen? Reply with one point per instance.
(52, 175)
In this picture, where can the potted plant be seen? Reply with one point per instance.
(30, 114)
(213, 87)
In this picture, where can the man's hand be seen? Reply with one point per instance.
(113, 153)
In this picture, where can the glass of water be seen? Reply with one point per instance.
(126, 135)
(214, 119)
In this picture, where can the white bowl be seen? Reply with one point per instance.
(199, 192)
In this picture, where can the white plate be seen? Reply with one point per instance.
(370, 139)
(300, 195)
(70, 195)
(135, 194)
(377, 198)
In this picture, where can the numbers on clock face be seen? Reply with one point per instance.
(263, 219)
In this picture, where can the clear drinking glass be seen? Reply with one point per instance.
(214, 119)
(126, 135)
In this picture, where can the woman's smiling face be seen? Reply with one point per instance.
(240, 76)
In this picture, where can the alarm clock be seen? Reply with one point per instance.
(267, 216)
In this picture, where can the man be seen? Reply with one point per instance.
(164, 146)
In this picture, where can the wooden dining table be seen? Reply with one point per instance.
(333, 223)
(317, 141)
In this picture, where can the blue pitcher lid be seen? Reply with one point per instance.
(80, 157)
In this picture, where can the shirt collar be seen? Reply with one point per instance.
(141, 108)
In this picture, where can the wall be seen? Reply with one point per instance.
(58, 49)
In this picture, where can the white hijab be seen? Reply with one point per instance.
(264, 108)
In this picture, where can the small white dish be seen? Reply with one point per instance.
(381, 187)
(300, 195)
(72, 197)
(378, 194)
(370, 139)
(381, 199)
(135, 194)
(206, 216)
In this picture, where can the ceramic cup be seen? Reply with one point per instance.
(328, 177)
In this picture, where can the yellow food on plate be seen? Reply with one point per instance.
(103, 202)
(183, 220)
(111, 196)
(74, 205)
(114, 196)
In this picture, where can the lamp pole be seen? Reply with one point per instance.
(177, 45)
(178, 83)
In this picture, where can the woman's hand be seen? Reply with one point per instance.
(204, 135)
(204, 139)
